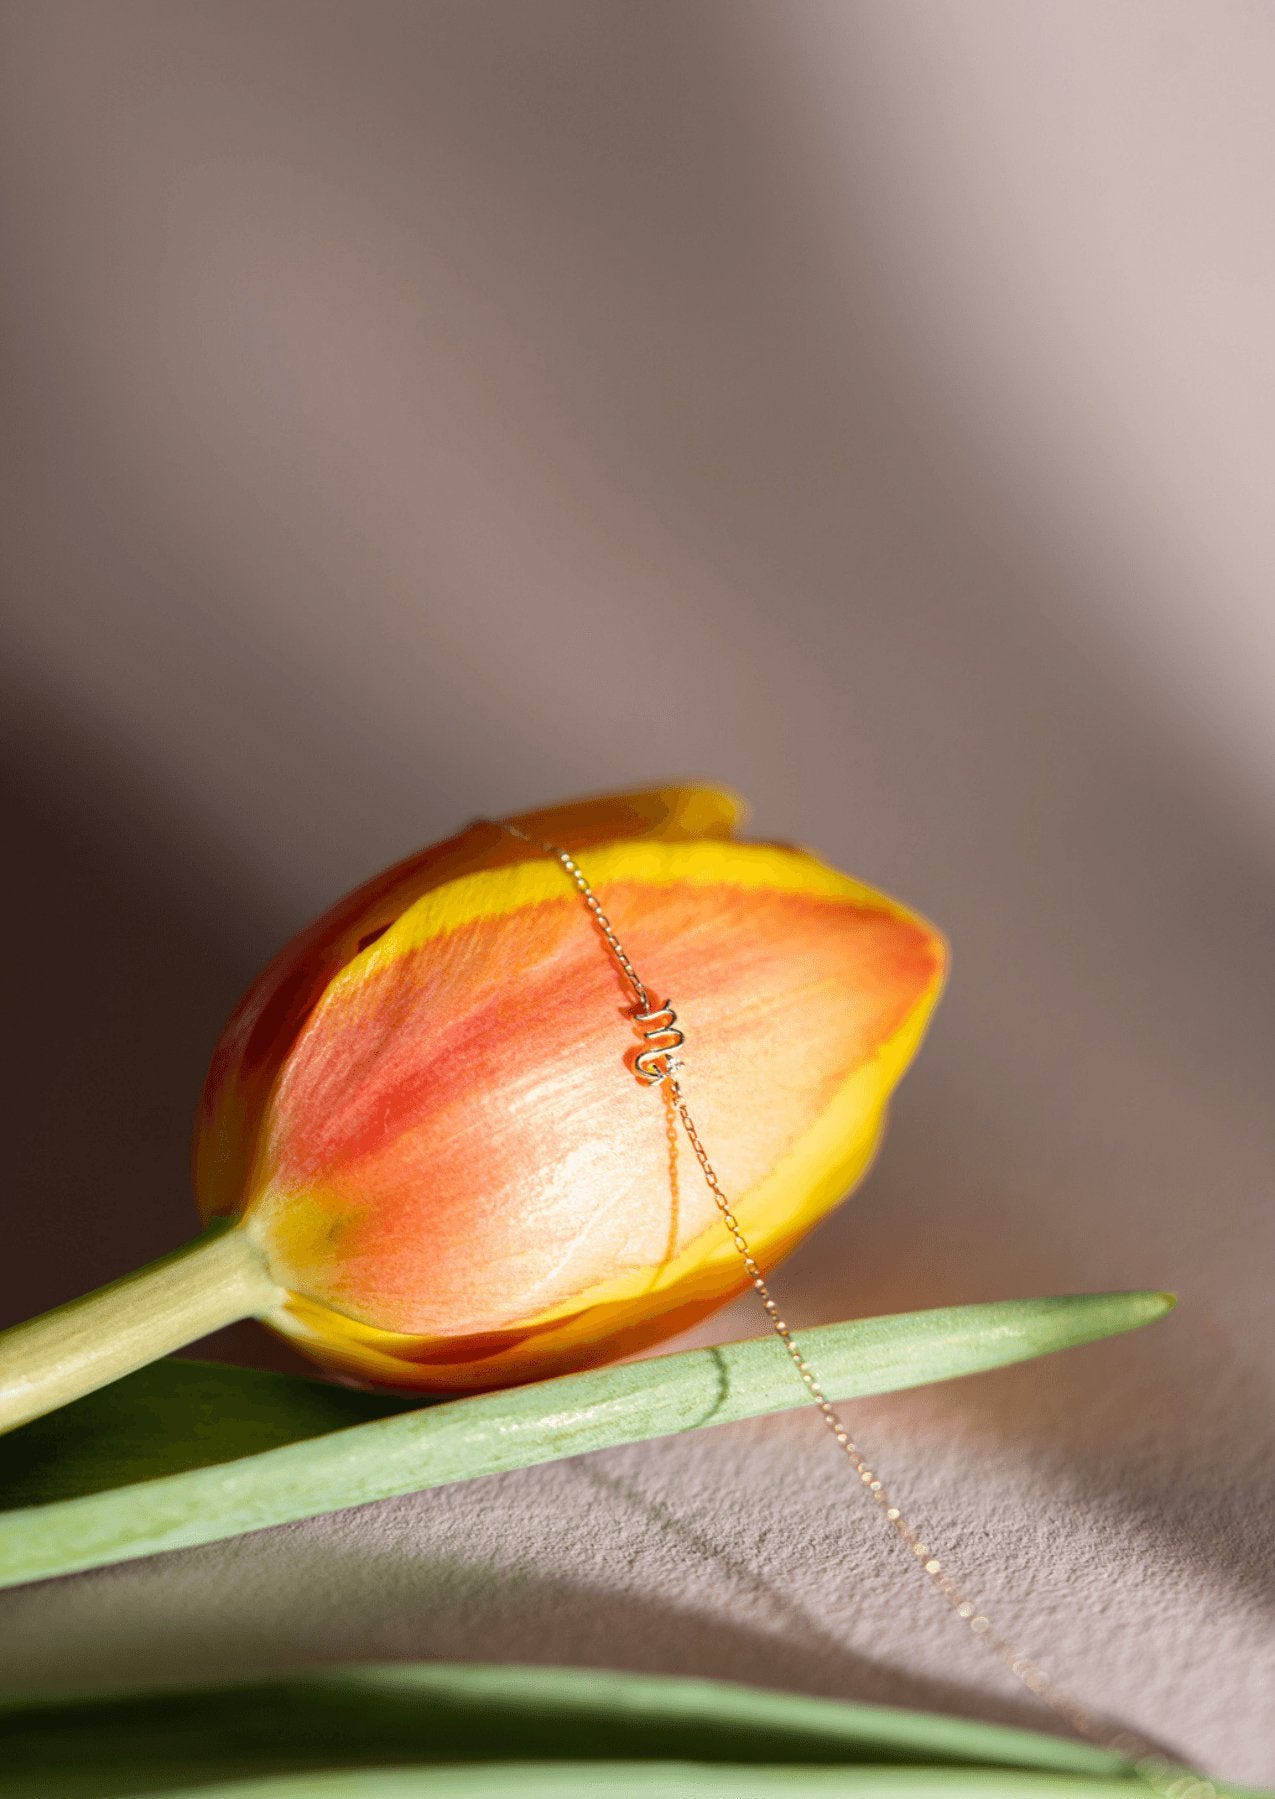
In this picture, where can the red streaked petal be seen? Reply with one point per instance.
(457, 1148)
(264, 1025)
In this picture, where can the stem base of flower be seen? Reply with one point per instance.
(217, 1279)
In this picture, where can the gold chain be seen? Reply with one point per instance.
(658, 1065)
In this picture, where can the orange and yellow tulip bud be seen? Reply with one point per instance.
(422, 1154)
(423, 1114)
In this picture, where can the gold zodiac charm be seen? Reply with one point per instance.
(658, 1062)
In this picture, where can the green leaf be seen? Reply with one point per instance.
(183, 1453)
(171, 1416)
(357, 1719)
(660, 1780)
(420, 1728)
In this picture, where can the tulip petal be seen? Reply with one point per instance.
(267, 1019)
(460, 1179)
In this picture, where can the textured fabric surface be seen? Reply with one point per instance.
(431, 410)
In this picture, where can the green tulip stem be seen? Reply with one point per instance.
(218, 1279)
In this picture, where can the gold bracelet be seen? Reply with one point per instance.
(657, 1064)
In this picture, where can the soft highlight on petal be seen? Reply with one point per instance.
(267, 1020)
(460, 1179)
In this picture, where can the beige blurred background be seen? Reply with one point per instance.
(423, 410)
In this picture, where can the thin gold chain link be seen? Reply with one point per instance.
(1170, 1780)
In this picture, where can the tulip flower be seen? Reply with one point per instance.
(421, 1152)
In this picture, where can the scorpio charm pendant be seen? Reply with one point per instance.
(658, 1062)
